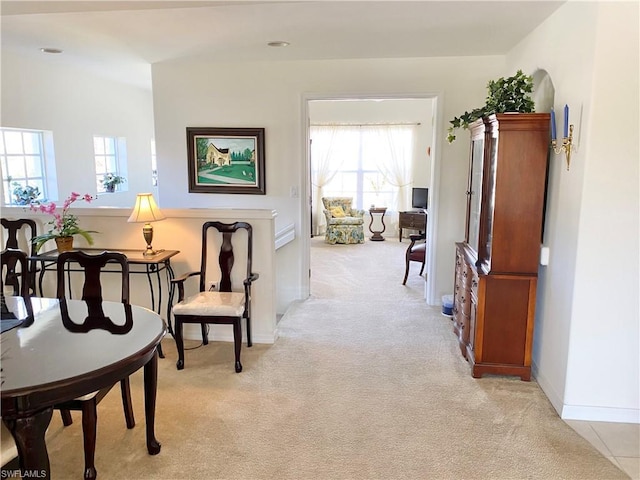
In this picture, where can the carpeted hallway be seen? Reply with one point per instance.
(365, 382)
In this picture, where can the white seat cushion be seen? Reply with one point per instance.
(88, 396)
(228, 304)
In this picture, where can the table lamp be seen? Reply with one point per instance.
(146, 211)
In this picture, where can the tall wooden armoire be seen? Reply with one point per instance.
(497, 264)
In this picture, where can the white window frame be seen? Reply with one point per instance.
(119, 160)
(47, 179)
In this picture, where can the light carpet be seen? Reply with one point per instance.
(365, 382)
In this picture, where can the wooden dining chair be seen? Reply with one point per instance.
(224, 306)
(10, 259)
(416, 252)
(93, 266)
(14, 229)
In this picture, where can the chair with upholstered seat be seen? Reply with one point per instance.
(93, 265)
(344, 223)
(217, 307)
(416, 252)
(15, 229)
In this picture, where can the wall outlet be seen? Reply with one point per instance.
(211, 286)
(544, 256)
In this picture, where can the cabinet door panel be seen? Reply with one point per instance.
(475, 192)
(485, 237)
(505, 320)
(519, 222)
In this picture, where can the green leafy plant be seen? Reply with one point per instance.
(110, 180)
(64, 223)
(24, 195)
(511, 94)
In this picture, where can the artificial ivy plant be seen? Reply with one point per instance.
(511, 94)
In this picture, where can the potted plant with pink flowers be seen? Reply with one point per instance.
(63, 225)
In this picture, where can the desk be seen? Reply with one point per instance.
(377, 234)
(44, 364)
(412, 221)
(152, 264)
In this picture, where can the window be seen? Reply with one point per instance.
(110, 157)
(371, 163)
(26, 156)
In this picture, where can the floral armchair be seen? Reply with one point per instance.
(344, 223)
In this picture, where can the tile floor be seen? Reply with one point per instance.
(619, 442)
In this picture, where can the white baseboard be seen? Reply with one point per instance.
(600, 414)
(219, 333)
(549, 391)
(581, 412)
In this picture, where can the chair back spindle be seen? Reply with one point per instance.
(226, 262)
(9, 259)
(13, 228)
(226, 258)
(93, 265)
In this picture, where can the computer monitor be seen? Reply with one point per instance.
(420, 198)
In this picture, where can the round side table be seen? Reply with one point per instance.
(377, 234)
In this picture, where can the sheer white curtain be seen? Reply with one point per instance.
(324, 166)
(371, 163)
(394, 160)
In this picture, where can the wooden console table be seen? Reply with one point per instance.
(413, 221)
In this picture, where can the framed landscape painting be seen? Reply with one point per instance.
(226, 160)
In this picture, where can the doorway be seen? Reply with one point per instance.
(417, 110)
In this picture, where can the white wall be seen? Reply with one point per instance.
(586, 353)
(76, 105)
(271, 95)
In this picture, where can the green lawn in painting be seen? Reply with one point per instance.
(240, 173)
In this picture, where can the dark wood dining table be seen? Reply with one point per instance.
(44, 363)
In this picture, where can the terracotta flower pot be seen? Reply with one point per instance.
(64, 244)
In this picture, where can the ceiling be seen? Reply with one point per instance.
(123, 38)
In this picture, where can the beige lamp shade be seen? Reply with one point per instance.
(146, 211)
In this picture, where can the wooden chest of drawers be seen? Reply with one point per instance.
(413, 221)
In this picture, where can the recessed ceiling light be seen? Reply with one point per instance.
(50, 50)
(278, 43)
